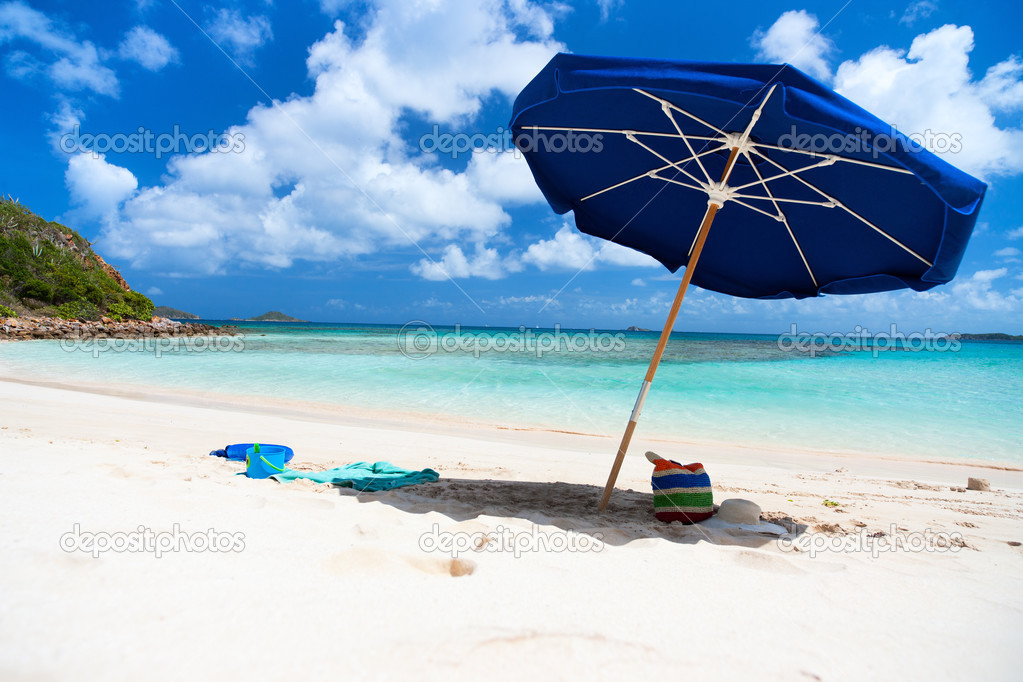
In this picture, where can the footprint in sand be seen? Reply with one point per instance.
(317, 503)
(376, 561)
(255, 501)
(768, 562)
(117, 470)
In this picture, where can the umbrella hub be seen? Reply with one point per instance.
(741, 140)
(718, 194)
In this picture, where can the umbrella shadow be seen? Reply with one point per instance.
(568, 506)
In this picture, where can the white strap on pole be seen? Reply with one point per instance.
(640, 399)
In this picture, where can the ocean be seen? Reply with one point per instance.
(951, 399)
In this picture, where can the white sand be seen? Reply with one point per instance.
(335, 584)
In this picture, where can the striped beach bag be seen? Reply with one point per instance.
(681, 491)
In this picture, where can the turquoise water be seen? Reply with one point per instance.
(726, 388)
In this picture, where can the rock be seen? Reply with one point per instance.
(978, 484)
(53, 328)
(110, 270)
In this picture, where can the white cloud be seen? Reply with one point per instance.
(525, 301)
(240, 36)
(333, 7)
(638, 282)
(97, 187)
(930, 88)
(977, 293)
(69, 64)
(533, 17)
(434, 302)
(1009, 254)
(795, 39)
(1002, 87)
(147, 47)
(927, 91)
(628, 306)
(154, 291)
(503, 177)
(63, 121)
(608, 7)
(329, 176)
(920, 9)
(1016, 233)
(572, 250)
(454, 264)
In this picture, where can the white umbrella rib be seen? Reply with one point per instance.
(845, 208)
(780, 217)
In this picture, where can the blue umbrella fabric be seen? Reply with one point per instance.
(824, 197)
(808, 194)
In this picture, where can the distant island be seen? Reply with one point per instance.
(991, 337)
(274, 316)
(173, 313)
(637, 329)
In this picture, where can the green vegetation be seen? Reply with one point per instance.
(830, 503)
(7, 312)
(78, 310)
(49, 269)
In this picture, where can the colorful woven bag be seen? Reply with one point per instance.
(681, 491)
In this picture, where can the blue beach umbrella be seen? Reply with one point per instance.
(808, 194)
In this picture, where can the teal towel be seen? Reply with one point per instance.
(364, 476)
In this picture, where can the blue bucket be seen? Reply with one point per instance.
(269, 460)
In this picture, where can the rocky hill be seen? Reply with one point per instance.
(49, 270)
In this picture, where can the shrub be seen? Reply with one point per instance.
(78, 310)
(119, 311)
(7, 312)
(141, 306)
(37, 289)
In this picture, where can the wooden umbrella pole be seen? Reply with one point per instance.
(701, 238)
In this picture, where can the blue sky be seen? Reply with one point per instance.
(326, 207)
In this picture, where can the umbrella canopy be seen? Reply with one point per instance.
(824, 198)
(808, 193)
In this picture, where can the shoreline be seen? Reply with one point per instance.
(767, 456)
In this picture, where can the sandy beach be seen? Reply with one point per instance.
(314, 580)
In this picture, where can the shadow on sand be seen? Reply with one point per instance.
(568, 506)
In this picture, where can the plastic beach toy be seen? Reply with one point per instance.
(238, 451)
(265, 461)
